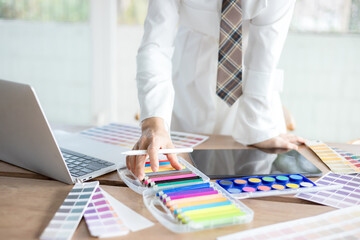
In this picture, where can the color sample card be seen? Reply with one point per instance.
(101, 218)
(126, 136)
(333, 159)
(271, 185)
(347, 196)
(338, 224)
(68, 216)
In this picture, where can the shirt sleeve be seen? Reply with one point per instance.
(154, 66)
(259, 114)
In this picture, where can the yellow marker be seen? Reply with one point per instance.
(212, 216)
(206, 210)
(193, 199)
(172, 208)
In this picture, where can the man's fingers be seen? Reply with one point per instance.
(139, 167)
(174, 161)
(153, 151)
(128, 162)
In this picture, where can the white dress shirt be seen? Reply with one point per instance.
(177, 68)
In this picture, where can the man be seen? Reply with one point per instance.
(179, 71)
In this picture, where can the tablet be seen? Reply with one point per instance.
(231, 163)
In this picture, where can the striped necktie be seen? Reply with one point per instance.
(229, 77)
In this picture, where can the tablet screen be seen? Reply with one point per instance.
(228, 163)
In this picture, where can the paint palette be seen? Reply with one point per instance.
(337, 161)
(165, 177)
(126, 136)
(339, 224)
(101, 219)
(196, 207)
(271, 185)
(68, 216)
(347, 196)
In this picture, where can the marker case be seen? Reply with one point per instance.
(133, 183)
(264, 186)
(170, 220)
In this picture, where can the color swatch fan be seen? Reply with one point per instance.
(347, 196)
(333, 159)
(126, 136)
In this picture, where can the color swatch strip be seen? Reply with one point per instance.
(347, 196)
(126, 136)
(338, 224)
(335, 161)
(66, 219)
(101, 218)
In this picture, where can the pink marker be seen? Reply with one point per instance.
(190, 195)
(169, 177)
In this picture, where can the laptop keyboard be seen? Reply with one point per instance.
(80, 164)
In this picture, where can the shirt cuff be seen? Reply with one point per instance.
(260, 115)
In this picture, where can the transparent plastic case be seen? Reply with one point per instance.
(133, 183)
(169, 220)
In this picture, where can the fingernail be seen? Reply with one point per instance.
(155, 169)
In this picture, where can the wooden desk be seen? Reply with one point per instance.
(214, 142)
(28, 205)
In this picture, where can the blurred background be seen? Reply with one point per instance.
(79, 55)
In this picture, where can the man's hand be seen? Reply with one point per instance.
(285, 141)
(153, 137)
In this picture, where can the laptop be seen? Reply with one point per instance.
(27, 141)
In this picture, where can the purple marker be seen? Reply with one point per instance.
(190, 195)
(186, 192)
(169, 178)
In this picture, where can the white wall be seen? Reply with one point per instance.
(55, 59)
(322, 85)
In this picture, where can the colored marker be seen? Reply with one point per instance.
(168, 174)
(178, 183)
(233, 210)
(200, 212)
(151, 184)
(160, 164)
(190, 195)
(193, 199)
(170, 177)
(195, 186)
(186, 192)
(203, 206)
(161, 169)
(216, 220)
(181, 205)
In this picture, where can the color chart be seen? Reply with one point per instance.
(338, 162)
(126, 136)
(68, 216)
(101, 219)
(347, 196)
(338, 224)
